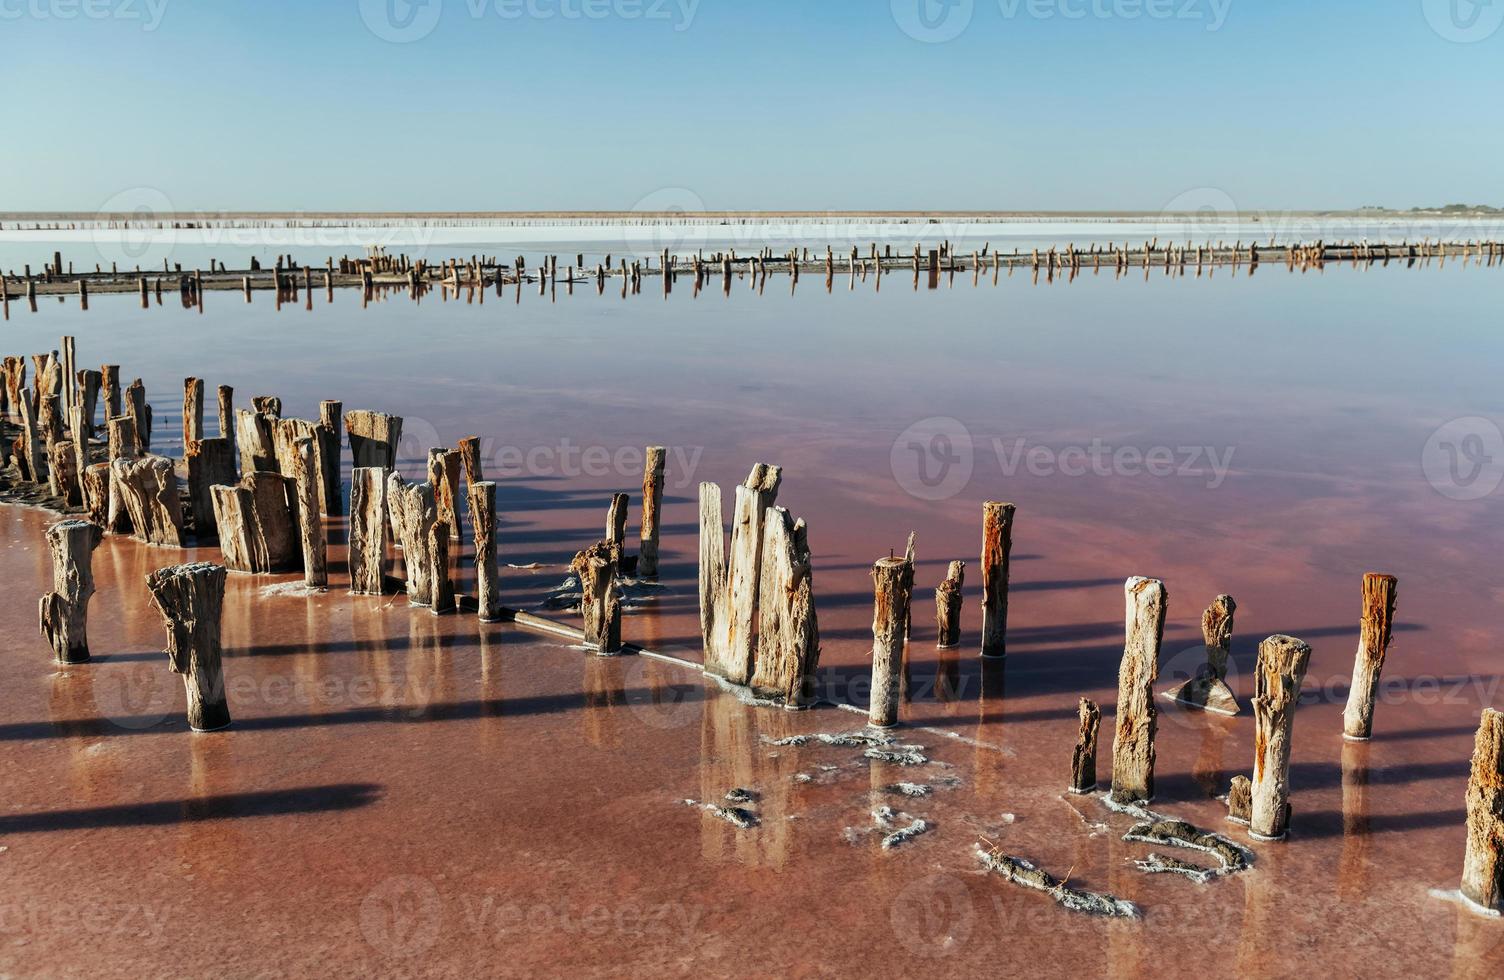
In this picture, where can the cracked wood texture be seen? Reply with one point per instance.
(997, 544)
(255, 522)
(482, 500)
(1483, 862)
(140, 412)
(712, 579)
(148, 490)
(595, 568)
(444, 477)
(1374, 629)
(788, 632)
(616, 520)
(1084, 759)
(328, 433)
(1133, 737)
(1277, 678)
(373, 438)
(892, 582)
(469, 450)
(652, 509)
(948, 599)
(368, 524)
(210, 463)
(255, 435)
(64, 612)
(424, 556)
(193, 410)
(305, 476)
(190, 599)
(744, 568)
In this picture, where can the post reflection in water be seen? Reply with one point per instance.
(1353, 870)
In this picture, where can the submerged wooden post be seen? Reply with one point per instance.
(64, 612)
(190, 599)
(595, 568)
(948, 598)
(1240, 800)
(368, 524)
(1208, 688)
(1483, 861)
(1281, 669)
(1133, 737)
(310, 525)
(892, 583)
(788, 633)
(652, 506)
(1084, 759)
(193, 411)
(997, 543)
(482, 498)
(1375, 627)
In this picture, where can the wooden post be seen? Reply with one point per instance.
(652, 506)
(444, 477)
(1379, 592)
(482, 497)
(744, 572)
(255, 434)
(1281, 668)
(1084, 760)
(329, 434)
(137, 408)
(190, 598)
(469, 449)
(368, 523)
(211, 462)
(88, 400)
(1483, 861)
(1208, 688)
(112, 400)
(997, 543)
(373, 438)
(595, 568)
(148, 489)
(1133, 738)
(948, 598)
(425, 543)
(712, 580)
(616, 521)
(255, 524)
(64, 612)
(892, 580)
(193, 411)
(1240, 800)
(310, 525)
(788, 633)
(70, 359)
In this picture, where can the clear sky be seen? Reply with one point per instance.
(751, 104)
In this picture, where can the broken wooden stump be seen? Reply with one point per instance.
(64, 612)
(948, 599)
(1483, 860)
(444, 477)
(482, 499)
(255, 523)
(1084, 759)
(373, 438)
(595, 568)
(96, 491)
(141, 414)
(1133, 738)
(31, 453)
(1240, 800)
(1375, 627)
(190, 599)
(788, 632)
(892, 584)
(424, 540)
(267, 405)
(1208, 688)
(1281, 669)
(62, 472)
(728, 589)
(305, 480)
(997, 543)
(148, 491)
(255, 434)
(469, 450)
(211, 463)
(88, 399)
(652, 507)
(193, 411)
(368, 524)
(328, 433)
(226, 396)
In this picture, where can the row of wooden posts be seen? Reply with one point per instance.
(757, 607)
(379, 271)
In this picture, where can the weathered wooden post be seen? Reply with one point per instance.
(616, 521)
(1240, 800)
(373, 438)
(788, 632)
(64, 612)
(1133, 738)
(469, 450)
(211, 462)
(1281, 669)
(368, 524)
(482, 497)
(997, 543)
(329, 434)
(652, 506)
(193, 411)
(444, 477)
(148, 489)
(310, 525)
(948, 598)
(70, 358)
(1084, 759)
(227, 417)
(88, 399)
(595, 569)
(1208, 688)
(1483, 861)
(190, 599)
(1379, 592)
(892, 581)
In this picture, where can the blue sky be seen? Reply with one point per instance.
(808, 104)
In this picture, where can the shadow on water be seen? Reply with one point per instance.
(229, 806)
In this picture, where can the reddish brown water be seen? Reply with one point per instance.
(404, 793)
